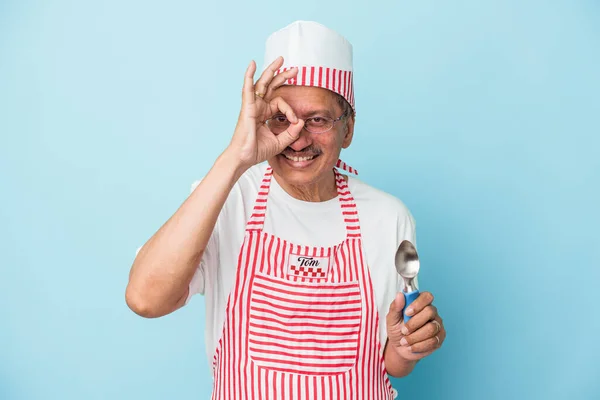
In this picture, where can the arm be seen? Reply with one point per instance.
(162, 270)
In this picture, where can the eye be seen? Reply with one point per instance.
(281, 119)
(318, 121)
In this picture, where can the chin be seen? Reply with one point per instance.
(299, 173)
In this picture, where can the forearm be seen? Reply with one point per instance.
(395, 365)
(164, 266)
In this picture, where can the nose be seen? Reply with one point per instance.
(303, 141)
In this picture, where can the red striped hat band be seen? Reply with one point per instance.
(336, 80)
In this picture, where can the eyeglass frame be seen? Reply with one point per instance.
(333, 121)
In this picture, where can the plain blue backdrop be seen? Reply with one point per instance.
(482, 116)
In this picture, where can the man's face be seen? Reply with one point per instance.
(313, 155)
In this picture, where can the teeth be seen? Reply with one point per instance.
(299, 158)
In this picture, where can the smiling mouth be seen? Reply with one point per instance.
(299, 159)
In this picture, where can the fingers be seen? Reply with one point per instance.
(420, 319)
(394, 315)
(267, 82)
(267, 75)
(292, 133)
(426, 345)
(289, 136)
(248, 96)
(280, 80)
(424, 332)
(428, 331)
(431, 343)
(424, 299)
(279, 105)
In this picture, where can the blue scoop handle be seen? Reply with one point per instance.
(409, 298)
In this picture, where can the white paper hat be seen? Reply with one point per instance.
(323, 57)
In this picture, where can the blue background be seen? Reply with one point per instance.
(482, 116)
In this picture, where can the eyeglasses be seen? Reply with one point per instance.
(279, 123)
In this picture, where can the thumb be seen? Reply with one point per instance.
(290, 135)
(394, 315)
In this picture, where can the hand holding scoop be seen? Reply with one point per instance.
(407, 265)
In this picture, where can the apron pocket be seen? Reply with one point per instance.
(304, 328)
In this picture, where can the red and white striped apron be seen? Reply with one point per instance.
(301, 322)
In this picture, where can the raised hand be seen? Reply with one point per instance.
(253, 142)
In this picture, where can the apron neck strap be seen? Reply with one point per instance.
(347, 204)
(346, 167)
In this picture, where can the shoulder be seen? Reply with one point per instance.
(378, 202)
(251, 180)
(382, 215)
(240, 199)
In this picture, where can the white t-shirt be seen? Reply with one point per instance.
(384, 221)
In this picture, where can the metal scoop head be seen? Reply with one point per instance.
(407, 264)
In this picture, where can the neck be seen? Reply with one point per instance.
(322, 190)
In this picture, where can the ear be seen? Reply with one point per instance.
(349, 132)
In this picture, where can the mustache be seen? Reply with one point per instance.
(305, 152)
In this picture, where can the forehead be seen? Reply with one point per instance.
(305, 99)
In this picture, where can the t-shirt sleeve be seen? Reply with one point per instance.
(209, 261)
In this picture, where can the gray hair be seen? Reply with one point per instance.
(346, 107)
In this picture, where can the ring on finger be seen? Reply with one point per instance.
(438, 340)
(439, 327)
(261, 95)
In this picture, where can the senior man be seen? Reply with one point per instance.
(294, 257)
